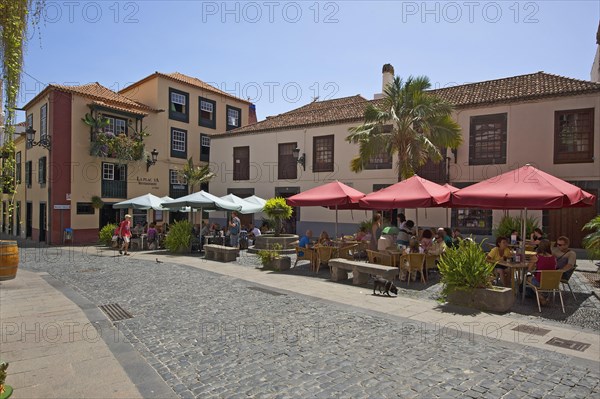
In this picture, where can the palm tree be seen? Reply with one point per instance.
(409, 122)
(195, 174)
(591, 242)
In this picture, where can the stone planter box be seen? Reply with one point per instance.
(279, 264)
(496, 299)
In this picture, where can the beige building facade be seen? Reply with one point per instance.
(64, 170)
(541, 119)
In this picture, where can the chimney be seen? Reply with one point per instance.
(595, 73)
(387, 77)
(252, 114)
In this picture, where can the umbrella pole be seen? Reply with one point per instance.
(523, 232)
(417, 213)
(336, 221)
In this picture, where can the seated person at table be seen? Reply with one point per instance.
(447, 236)
(414, 247)
(361, 234)
(438, 246)
(305, 241)
(456, 237)
(537, 236)
(426, 239)
(565, 257)
(544, 260)
(385, 242)
(196, 230)
(324, 239)
(500, 252)
(152, 236)
(253, 231)
(406, 231)
(514, 237)
(137, 230)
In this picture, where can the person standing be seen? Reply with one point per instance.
(234, 229)
(125, 234)
(375, 231)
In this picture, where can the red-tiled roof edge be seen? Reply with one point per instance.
(167, 76)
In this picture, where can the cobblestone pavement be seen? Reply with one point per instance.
(209, 335)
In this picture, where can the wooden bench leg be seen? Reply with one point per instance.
(338, 274)
(358, 277)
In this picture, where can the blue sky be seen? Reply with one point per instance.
(281, 54)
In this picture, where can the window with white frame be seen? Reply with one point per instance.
(44, 121)
(178, 105)
(178, 143)
(108, 171)
(204, 147)
(116, 126)
(176, 177)
(233, 117)
(207, 113)
(178, 101)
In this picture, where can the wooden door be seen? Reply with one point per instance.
(569, 222)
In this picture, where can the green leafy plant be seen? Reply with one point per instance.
(277, 210)
(195, 174)
(106, 233)
(367, 224)
(465, 268)
(591, 242)
(122, 147)
(97, 202)
(179, 237)
(266, 256)
(509, 223)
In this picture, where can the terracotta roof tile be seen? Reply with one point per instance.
(118, 108)
(185, 79)
(507, 90)
(516, 88)
(99, 93)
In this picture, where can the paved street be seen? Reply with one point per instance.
(213, 335)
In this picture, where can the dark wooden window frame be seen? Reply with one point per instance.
(324, 166)
(204, 149)
(287, 166)
(176, 115)
(85, 208)
(241, 170)
(239, 124)
(209, 123)
(561, 157)
(42, 167)
(387, 164)
(494, 158)
(176, 153)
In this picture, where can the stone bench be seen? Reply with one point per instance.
(220, 253)
(360, 270)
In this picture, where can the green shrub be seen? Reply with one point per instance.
(509, 223)
(106, 233)
(179, 237)
(266, 256)
(591, 242)
(464, 267)
(278, 210)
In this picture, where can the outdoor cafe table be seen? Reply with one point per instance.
(520, 268)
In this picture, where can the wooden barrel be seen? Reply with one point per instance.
(9, 260)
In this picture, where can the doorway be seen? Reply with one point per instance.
(42, 224)
(289, 226)
(18, 218)
(569, 222)
(109, 215)
(28, 219)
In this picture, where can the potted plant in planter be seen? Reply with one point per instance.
(5, 390)
(467, 279)
(179, 238)
(273, 260)
(277, 210)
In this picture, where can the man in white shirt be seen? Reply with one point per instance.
(254, 231)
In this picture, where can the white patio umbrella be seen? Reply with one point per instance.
(256, 200)
(247, 206)
(147, 201)
(203, 201)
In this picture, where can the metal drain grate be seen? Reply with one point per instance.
(565, 343)
(115, 312)
(91, 269)
(534, 330)
(266, 291)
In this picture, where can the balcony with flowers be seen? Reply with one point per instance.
(115, 138)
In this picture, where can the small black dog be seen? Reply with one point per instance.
(384, 286)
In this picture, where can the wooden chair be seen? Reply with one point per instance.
(430, 263)
(307, 254)
(324, 253)
(413, 263)
(549, 282)
(565, 280)
(361, 250)
(347, 252)
(379, 258)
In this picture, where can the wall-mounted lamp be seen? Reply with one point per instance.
(44, 141)
(300, 159)
(151, 161)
